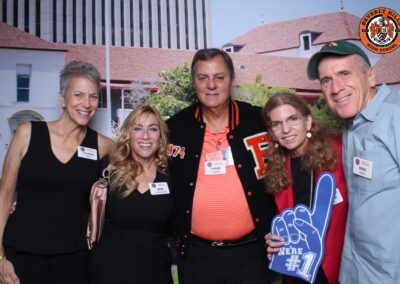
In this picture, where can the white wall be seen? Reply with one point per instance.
(44, 86)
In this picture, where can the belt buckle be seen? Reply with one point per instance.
(217, 244)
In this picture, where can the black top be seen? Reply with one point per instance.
(301, 180)
(133, 248)
(52, 197)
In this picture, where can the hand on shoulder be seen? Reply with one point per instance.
(105, 145)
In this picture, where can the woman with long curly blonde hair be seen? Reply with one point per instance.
(133, 248)
(300, 150)
(127, 161)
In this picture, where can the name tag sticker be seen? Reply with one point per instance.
(227, 156)
(362, 167)
(221, 155)
(87, 153)
(214, 156)
(338, 197)
(215, 167)
(158, 188)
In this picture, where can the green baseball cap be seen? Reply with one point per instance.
(340, 47)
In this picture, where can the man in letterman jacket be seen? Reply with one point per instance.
(222, 210)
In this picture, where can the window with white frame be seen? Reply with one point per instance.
(23, 82)
(306, 41)
(228, 48)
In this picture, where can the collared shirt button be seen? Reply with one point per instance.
(240, 166)
(191, 184)
(257, 220)
(183, 246)
(182, 253)
(196, 156)
(202, 126)
(185, 236)
(249, 193)
(231, 136)
(187, 212)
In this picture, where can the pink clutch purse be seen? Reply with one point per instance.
(98, 197)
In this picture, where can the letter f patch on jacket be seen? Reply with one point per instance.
(258, 144)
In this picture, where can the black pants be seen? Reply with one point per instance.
(243, 264)
(71, 268)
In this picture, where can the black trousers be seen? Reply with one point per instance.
(243, 264)
(70, 268)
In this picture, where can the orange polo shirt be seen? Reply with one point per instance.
(220, 210)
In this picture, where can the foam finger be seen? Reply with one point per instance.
(279, 228)
(288, 216)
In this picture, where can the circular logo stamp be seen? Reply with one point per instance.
(379, 30)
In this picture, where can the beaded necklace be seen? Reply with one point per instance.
(311, 187)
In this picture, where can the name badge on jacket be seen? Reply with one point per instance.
(158, 188)
(215, 167)
(87, 153)
(362, 167)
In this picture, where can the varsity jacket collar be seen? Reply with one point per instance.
(233, 114)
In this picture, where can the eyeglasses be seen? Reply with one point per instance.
(291, 121)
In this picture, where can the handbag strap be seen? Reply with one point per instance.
(106, 172)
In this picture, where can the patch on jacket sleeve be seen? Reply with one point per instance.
(175, 151)
(258, 144)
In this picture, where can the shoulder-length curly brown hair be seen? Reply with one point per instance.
(319, 154)
(125, 167)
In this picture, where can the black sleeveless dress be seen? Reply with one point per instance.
(52, 197)
(133, 248)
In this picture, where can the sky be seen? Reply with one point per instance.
(232, 18)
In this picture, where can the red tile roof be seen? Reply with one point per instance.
(387, 69)
(285, 35)
(276, 70)
(129, 63)
(11, 37)
(144, 64)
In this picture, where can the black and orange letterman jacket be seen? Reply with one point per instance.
(248, 141)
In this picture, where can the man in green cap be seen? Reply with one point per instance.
(371, 161)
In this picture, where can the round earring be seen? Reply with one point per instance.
(309, 135)
(276, 145)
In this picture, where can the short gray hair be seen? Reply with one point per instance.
(78, 69)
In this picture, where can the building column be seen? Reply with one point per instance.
(191, 24)
(21, 15)
(117, 22)
(145, 23)
(208, 23)
(155, 31)
(127, 22)
(10, 12)
(59, 24)
(79, 22)
(136, 23)
(99, 27)
(46, 22)
(89, 22)
(200, 24)
(173, 25)
(182, 24)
